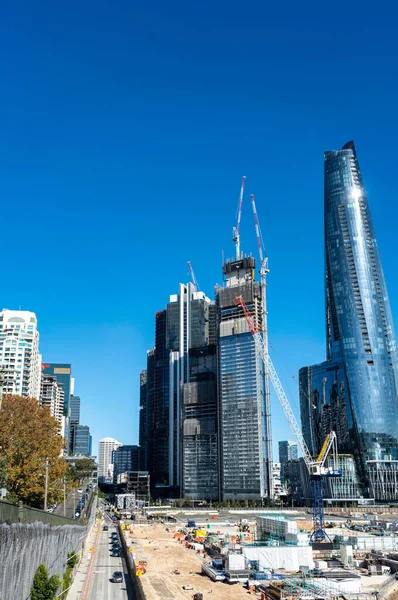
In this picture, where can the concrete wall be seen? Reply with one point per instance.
(24, 546)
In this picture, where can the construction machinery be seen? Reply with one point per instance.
(194, 280)
(263, 275)
(236, 230)
(316, 467)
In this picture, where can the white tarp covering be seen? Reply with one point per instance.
(290, 558)
(334, 586)
(236, 562)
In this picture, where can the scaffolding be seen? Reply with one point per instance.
(383, 477)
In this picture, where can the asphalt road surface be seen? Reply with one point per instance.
(101, 586)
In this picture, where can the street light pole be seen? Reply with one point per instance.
(64, 497)
(46, 485)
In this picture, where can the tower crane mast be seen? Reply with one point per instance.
(236, 230)
(263, 275)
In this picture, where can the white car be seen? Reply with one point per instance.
(80, 491)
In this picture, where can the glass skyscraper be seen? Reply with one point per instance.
(244, 466)
(354, 391)
(63, 373)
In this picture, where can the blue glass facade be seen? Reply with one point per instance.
(81, 441)
(63, 373)
(242, 397)
(355, 390)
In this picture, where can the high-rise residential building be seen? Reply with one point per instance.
(81, 440)
(125, 458)
(106, 447)
(52, 395)
(354, 392)
(287, 451)
(19, 352)
(246, 470)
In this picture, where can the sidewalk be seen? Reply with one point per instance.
(77, 588)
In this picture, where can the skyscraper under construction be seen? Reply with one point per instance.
(244, 471)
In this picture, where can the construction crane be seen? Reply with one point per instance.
(194, 280)
(263, 275)
(316, 467)
(236, 230)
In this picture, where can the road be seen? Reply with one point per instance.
(101, 587)
(71, 501)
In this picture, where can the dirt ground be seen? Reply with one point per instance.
(164, 554)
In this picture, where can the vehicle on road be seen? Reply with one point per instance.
(115, 553)
(80, 491)
(105, 528)
(117, 577)
(187, 587)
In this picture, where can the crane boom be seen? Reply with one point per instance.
(313, 466)
(236, 230)
(194, 280)
(260, 243)
(327, 444)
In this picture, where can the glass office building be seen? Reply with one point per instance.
(81, 440)
(63, 373)
(245, 468)
(354, 391)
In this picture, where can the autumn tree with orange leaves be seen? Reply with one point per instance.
(29, 435)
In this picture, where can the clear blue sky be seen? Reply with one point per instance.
(125, 129)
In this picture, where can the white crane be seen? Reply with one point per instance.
(236, 230)
(316, 467)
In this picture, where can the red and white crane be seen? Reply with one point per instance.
(316, 466)
(236, 230)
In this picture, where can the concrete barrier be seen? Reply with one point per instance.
(135, 581)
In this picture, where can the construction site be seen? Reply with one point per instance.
(269, 556)
(273, 554)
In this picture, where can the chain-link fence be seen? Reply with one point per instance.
(12, 513)
(29, 537)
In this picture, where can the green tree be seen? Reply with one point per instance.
(29, 435)
(80, 469)
(44, 587)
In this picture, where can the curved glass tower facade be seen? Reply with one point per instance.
(355, 391)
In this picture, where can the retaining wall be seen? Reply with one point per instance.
(139, 593)
(30, 537)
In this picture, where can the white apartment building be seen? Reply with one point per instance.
(52, 395)
(105, 465)
(19, 353)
